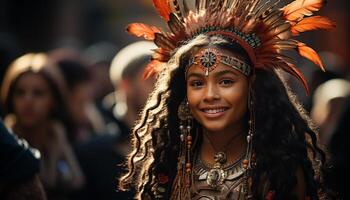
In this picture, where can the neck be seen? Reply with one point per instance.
(232, 142)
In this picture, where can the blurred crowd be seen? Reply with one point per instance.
(69, 108)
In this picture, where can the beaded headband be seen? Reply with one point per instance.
(209, 58)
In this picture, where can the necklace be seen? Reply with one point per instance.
(217, 174)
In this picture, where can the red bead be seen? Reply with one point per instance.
(189, 138)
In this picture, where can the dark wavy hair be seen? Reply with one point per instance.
(284, 140)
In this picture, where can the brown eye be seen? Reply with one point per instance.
(226, 82)
(196, 83)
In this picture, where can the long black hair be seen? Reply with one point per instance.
(283, 138)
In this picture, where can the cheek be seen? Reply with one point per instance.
(238, 99)
(44, 104)
(194, 97)
(18, 104)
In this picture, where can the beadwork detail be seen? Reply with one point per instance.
(209, 59)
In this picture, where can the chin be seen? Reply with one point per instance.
(213, 127)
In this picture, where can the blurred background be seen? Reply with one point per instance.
(76, 101)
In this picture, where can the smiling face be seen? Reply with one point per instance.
(217, 101)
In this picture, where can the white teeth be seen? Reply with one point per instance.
(213, 111)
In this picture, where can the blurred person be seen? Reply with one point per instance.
(331, 111)
(32, 95)
(99, 57)
(328, 104)
(338, 148)
(86, 119)
(19, 168)
(79, 98)
(110, 150)
(126, 73)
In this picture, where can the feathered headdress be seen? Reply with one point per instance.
(264, 31)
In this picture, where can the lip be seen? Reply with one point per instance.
(214, 112)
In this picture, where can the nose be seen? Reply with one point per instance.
(211, 93)
(27, 97)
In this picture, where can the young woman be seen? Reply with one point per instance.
(32, 97)
(221, 123)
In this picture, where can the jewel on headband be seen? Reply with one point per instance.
(208, 59)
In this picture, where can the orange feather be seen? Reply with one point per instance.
(163, 8)
(142, 30)
(161, 55)
(152, 68)
(310, 54)
(312, 23)
(296, 10)
(296, 73)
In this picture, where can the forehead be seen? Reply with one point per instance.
(31, 78)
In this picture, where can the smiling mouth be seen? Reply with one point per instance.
(213, 110)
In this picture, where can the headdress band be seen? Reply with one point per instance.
(209, 59)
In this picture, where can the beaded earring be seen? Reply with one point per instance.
(184, 167)
(186, 123)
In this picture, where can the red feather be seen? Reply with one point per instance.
(296, 10)
(152, 68)
(310, 54)
(163, 8)
(142, 30)
(312, 23)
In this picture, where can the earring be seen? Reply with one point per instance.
(186, 123)
(184, 166)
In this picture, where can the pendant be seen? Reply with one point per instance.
(217, 175)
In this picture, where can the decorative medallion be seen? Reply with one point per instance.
(216, 177)
(209, 59)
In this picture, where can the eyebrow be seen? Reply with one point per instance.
(223, 72)
(199, 75)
